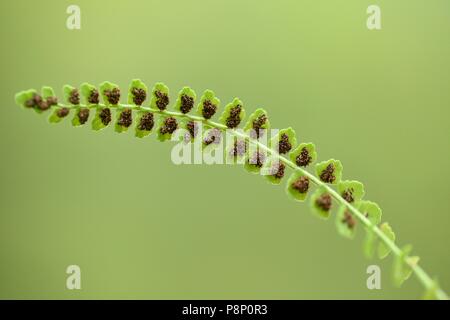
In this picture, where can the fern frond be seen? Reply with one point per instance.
(245, 147)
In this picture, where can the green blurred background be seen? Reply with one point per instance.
(141, 227)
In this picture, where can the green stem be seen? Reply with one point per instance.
(420, 273)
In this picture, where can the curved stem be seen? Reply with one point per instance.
(420, 273)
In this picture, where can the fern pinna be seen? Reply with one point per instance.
(281, 153)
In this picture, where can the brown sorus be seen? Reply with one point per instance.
(324, 202)
(349, 220)
(105, 116)
(74, 97)
(258, 158)
(234, 118)
(162, 100)
(83, 115)
(301, 184)
(37, 102)
(192, 127)
(277, 170)
(125, 118)
(139, 96)
(170, 125)
(284, 146)
(63, 112)
(239, 148)
(52, 101)
(213, 136)
(186, 103)
(43, 105)
(94, 97)
(113, 95)
(30, 103)
(303, 159)
(209, 109)
(348, 195)
(257, 124)
(327, 175)
(146, 122)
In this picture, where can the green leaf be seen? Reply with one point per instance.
(90, 94)
(124, 120)
(160, 96)
(345, 222)
(304, 154)
(166, 127)
(212, 138)
(371, 211)
(110, 93)
(257, 124)
(329, 171)
(255, 159)
(58, 115)
(284, 141)
(369, 243)
(102, 119)
(81, 116)
(137, 92)
(274, 170)
(23, 96)
(144, 124)
(47, 92)
(208, 105)
(351, 191)
(185, 100)
(233, 114)
(71, 95)
(403, 270)
(383, 249)
(298, 186)
(321, 203)
(236, 150)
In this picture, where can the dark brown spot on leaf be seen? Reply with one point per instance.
(52, 101)
(105, 116)
(327, 174)
(147, 122)
(83, 115)
(113, 96)
(348, 195)
(324, 202)
(37, 102)
(139, 96)
(284, 146)
(349, 220)
(93, 97)
(277, 170)
(209, 109)
(234, 118)
(213, 136)
(303, 159)
(125, 118)
(63, 112)
(74, 97)
(170, 125)
(186, 103)
(301, 184)
(257, 125)
(192, 128)
(162, 100)
(257, 159)
(239, 148)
